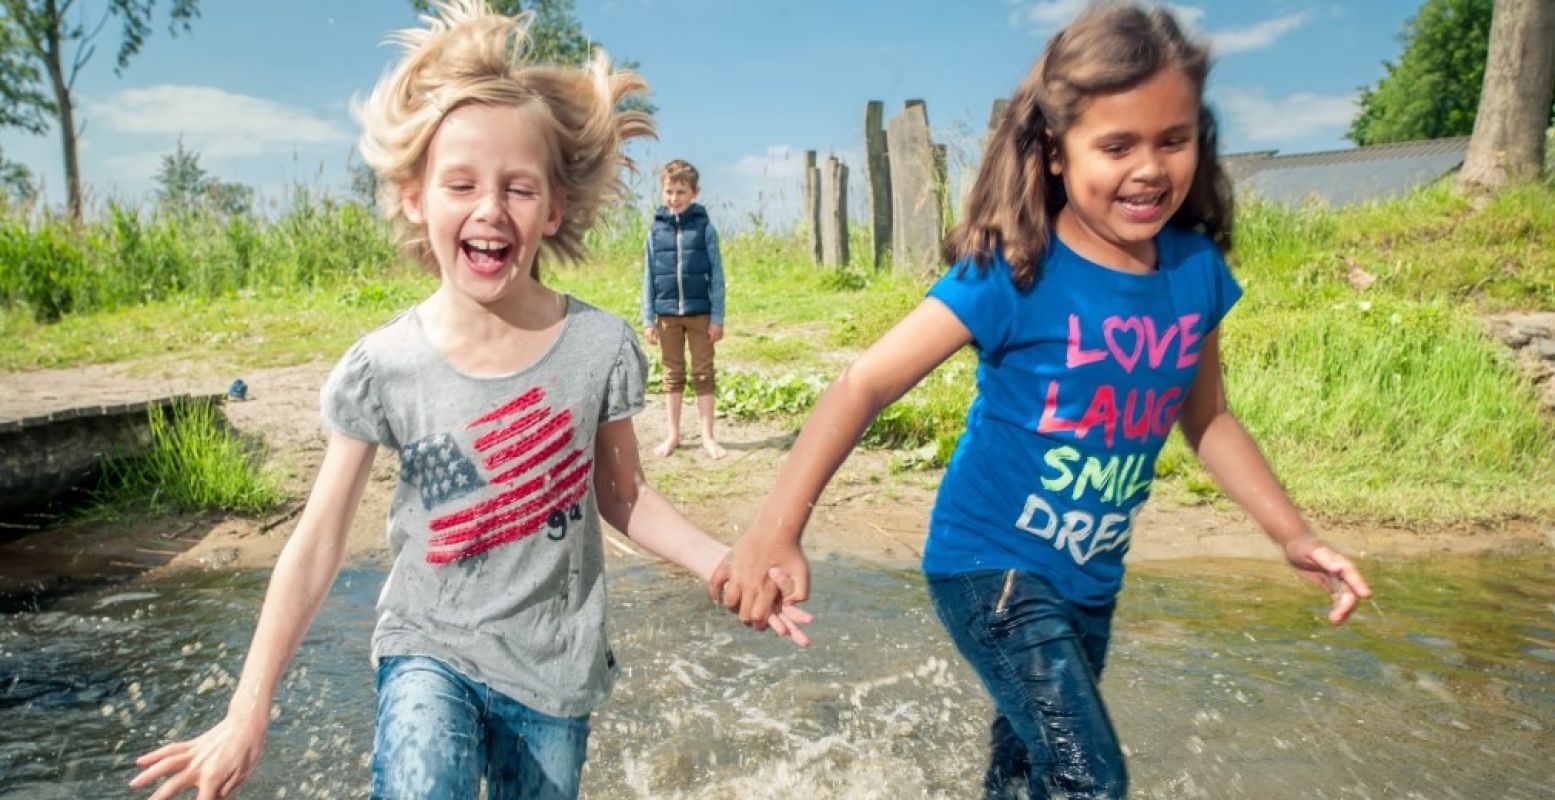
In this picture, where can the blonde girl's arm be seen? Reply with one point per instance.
(217, 761)
(901, 358)
(631, 506)
(1233, 459)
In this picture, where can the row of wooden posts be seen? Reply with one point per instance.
(906, 192)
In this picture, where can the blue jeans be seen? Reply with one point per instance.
(1040, 658)
(439, 732)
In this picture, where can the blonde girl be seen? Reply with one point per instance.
(509, 405)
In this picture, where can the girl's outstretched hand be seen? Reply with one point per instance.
(213, 764)
(1324, 566)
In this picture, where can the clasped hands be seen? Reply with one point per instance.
(763, 579)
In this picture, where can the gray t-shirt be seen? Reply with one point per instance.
(495, 534)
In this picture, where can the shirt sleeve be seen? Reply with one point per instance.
(625, 388)
(715, 290)
(647, 310)
(982, 298)
(350, 400)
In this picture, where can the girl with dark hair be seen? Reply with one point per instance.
(1089, 276)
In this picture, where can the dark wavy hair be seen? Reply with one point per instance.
(1112, 47)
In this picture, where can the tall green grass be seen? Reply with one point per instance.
(51, 267)
(196, 462)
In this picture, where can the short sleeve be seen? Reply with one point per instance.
(624, 387)
(350, 400)
(1223, 288)
(983, 298)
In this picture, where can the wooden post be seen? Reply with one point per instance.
(877, 180)
(834, 213)
(812, 206)
(942, 186)
(916, 213)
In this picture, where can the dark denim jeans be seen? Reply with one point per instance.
(439, 732)
(1040, 658)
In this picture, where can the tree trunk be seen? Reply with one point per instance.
(1514, 104)
(53, 56)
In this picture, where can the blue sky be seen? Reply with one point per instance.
(262, 90)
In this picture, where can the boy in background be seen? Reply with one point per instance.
(683, 300)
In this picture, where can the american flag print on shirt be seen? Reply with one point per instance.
(499, 480)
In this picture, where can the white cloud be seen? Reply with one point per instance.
(214, 122)
(1255, 37)
(1190, 16)
(777, 162)
(1046, 16)
(135, 166)
(1259, 119)
(770, 186)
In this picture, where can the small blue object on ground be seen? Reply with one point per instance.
(238, 390)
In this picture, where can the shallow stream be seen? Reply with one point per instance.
(1223, 682)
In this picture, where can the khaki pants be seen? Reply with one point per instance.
(674, 334)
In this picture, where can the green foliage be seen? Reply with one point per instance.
(1433, 90)
(41, 38)
(555, 36)
(52, 267)
(751, 396)
(135, 17)
(16, 187)
(23, 103)
(1432, 244)
(196, 462)
(363, 181)
(932, 415)
(184, 186)
(1380, 399)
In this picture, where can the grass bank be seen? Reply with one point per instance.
(1384, 402)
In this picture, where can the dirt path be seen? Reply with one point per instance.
(870, 511)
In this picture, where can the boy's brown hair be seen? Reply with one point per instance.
(679, 171)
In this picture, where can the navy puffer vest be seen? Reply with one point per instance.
(682, 273)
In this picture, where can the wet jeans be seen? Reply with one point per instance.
(1040, 657)
(440, 732)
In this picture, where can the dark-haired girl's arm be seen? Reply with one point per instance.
(901, 358)
(1233, 459)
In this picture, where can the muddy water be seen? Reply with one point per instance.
(1223, 681)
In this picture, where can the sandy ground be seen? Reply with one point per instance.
(869, 511)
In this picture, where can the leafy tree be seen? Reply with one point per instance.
(364, 183)
(16, 187)
(43, 47)
(184, 186)
(22, 104)
(1433, 90)
(556, 35)
(1509, 131)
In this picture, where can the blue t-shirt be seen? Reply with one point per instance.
(1079, 380)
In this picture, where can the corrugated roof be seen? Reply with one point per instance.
(1344, 177)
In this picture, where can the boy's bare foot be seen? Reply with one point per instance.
(667, 446)
(714, 450)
